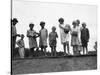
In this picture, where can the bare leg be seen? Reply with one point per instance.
(86, 50)
(55, 51)
(64, 46)
(51, 51)
(83, 50)
(68, 48)
(45, 50)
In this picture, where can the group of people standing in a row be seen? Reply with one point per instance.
(79, 38)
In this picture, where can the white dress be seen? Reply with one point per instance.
(63, 35)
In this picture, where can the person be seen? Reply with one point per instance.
(32, 35)
(52, 40)
(79, 36)
(21, 46)
(74, 37)
(43, 37)
(85, 37)
(14, 35)
(64, 33)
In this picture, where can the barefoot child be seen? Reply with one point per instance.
(52, 41)
(74, 37)
(43, 37)
(84, 38)
(32, 35)
(21, 46)
(64, 32)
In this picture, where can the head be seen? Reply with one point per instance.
(14, 21)
(84, 25)
(31, 25)
(22, 36)
(74, 23)
(78, 22)
(42, 24)
(53, 29)
(61, 20)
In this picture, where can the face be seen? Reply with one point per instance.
(14, 23)
(31, 26)
(42, 25)
(53, 29)
(84, 25)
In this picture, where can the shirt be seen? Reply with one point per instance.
(14, 31)
(20, 43)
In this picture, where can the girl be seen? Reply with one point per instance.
(43, 37)
(52, 40)
(32, 35)
(74, 37)
(64, 32)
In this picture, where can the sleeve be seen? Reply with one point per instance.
(46, 32)
(88, 35)
(18, 43)
(61, 27)
(56, 35)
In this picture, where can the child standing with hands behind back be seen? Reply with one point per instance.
(43, 37)
(52, 40)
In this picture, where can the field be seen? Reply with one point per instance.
(41, 65)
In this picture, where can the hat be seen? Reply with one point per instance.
(42, 23)
(78, 21)
(15, 20)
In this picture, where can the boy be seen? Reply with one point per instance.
(64, 32)
(52, 40)
(21, 46)
(32, 35)
(43, 37)
(85, 38)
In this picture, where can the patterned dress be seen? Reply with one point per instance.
(74, 37)
(52, 39)
(32, 40)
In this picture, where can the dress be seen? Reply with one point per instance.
(32, 40)
(63, 35)
(74, 37)
(43, 37)
(52, 39)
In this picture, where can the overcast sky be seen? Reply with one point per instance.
(33, 12)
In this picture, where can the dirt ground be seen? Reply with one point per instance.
(41, 65)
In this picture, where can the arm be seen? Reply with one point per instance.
(47, 33)
(61, 27)
(88, 35)
(56, 35)
(18, 43)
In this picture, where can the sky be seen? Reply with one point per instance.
(34, 12)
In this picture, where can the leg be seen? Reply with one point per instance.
(73, 50)
(45, 51)
(86, 50)
(51, 51)
(64, 47)
(68, 48)
(55, 50)
(83, 50)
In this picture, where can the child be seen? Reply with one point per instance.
(52, 40)
(21, 46)
(43, 37)
(84, 38)
(32, 35)
(74, 37)
(64, 32)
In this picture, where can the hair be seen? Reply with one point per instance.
(83, 23)
(22, 35)
(61, 20)
(78, 21)
(74, 22)
(54, 27)
(42, 23)
(31, 24)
